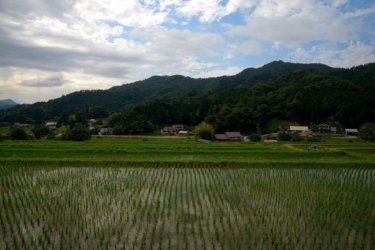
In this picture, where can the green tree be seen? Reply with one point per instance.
(41, 131)
(204, 130)
(78, 133)
(255, 137)
(367, 132)
(283, 136)
(18, 134)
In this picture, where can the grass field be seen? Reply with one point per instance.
(188, 151)
(131, 193)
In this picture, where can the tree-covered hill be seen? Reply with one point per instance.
(254, 97)
(303, 97)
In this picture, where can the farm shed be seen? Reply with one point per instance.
(221, 137)
(351, 131)
(183, 133)
(234, 136)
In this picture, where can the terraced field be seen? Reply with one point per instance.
(133, 193)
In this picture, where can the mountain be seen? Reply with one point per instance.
(255, 96)
(7, 104)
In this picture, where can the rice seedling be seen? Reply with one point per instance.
(49, 207)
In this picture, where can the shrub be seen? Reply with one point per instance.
(283, 136)
(367, 132)
(296, 137)
(18, 134)
(314, 139)
(255, 137)
(204, 130)
(78, 133)
(3, 137)
(41, 131)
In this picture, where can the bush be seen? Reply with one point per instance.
(255, 137)
(204, 130)
(3, 137)
(314, 139)
(283, 136)
(78, 133)
(367, 132)
(41, 131)
(296, 137)
(18, 134)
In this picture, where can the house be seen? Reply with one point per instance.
(325, 128)
(229, 136)
(234, 136)
(51, 125)
(221, 137)
(168, 131)
(21, 125)
(298, 129)
(351, 132)
(301, 130)
(183, 133)
(106, 131)
(178, 127)
(93, 121)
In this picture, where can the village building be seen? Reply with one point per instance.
(178, 127)
(183, 133)
(168, 130)
(229, 136)
(173, 129)
(106, 131)
(93, 121)
(51, 125)
(300, 130)
(325, 128)
(351, 132)
(221, 137)
(234, 136)
(21, 125)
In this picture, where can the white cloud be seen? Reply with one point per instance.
(294, 22)
(360, 12)
(251, 47)
(129, 13)
(54, 81)
(207, 11)
(355, 53)
(229, 71)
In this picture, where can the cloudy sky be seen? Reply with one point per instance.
(49, 48)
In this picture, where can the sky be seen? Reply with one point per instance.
(49, 48)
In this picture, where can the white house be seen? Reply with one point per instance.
(51, 125)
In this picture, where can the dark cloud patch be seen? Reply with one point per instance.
(29, 8)
(15, 53)
(55, 81)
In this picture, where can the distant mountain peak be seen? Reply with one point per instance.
(7, 103)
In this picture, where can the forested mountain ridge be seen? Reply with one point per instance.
(278, 90)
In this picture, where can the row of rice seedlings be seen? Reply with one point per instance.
(179, 208)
